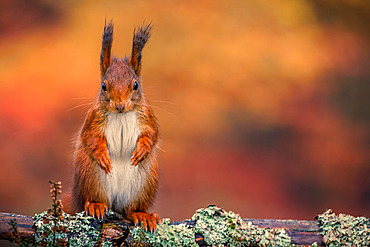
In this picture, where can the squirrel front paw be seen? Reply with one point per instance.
(104, 161)
(141, 151)
(138, 155)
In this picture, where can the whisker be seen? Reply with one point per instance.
(156, 107)
(161, 101)
(78, 106)
(81, 98)
(164, 151)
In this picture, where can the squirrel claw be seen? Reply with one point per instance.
(150, 221)
(96, 210)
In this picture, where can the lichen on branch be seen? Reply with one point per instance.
(344, 230)
(56, 228)
(217, 227)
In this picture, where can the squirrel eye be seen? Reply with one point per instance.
(104, 87)
(136, 85)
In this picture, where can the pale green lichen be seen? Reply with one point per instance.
(82, 230)
(218, 227)
(344, 230)
(221, 228)
(166, 235)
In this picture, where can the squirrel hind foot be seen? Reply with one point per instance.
(150, 221)
(96, 210)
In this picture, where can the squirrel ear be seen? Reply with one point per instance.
(105, 58)
(141, 36)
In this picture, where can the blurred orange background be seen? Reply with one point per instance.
(264, 106)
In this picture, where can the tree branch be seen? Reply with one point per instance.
(24, 226)
(302, 232)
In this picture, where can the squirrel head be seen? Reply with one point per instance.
(121, 86)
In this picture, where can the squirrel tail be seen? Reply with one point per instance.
(67, 204)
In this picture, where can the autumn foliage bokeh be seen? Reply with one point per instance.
(264, 106)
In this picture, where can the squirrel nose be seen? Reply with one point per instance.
(120, 106)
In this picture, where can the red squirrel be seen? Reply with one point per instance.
(115, 162)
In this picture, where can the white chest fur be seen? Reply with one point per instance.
(124, 182)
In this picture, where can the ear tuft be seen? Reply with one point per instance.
(105, 55)
(141, 36)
